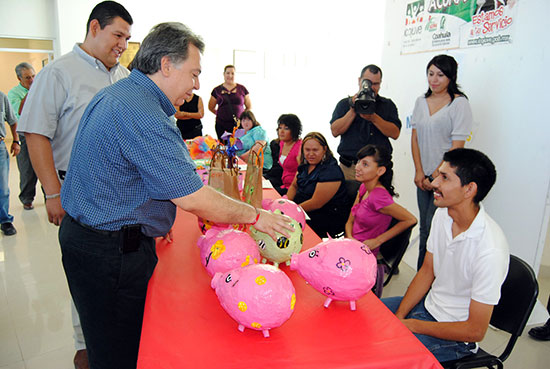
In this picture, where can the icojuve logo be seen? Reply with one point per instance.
(414, 18)
(443, 4)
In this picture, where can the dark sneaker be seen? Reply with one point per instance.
(28, 206)
(8, 229)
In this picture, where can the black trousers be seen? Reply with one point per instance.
(108, 288)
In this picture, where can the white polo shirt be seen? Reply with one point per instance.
(473, 265)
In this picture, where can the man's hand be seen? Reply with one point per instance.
(15, 148)
(55, 211)
(168, 237)
(370, 117)
(270, 223)
(410, 323)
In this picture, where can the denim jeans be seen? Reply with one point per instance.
(426, 209)
(443, 350)
(108, 288)
(27, 177)
(5, 216)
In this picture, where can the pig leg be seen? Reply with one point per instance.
(265, 332)
(241, 327)
(264, 260)
(275, 264)
(352, 305)
(327, 302)
(288, 262)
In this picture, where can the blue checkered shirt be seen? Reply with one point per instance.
(128, 160)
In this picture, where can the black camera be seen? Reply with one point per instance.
(365, 100)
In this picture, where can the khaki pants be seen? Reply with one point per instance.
(349, 172)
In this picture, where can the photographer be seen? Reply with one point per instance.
(359, 128)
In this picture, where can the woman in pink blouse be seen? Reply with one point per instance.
(285, 151)
(374, 207)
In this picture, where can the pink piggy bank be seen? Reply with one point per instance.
(287, 207)
(258, 296)
(205, 225)
(223, 250)
(343, 269)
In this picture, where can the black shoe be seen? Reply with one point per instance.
(8, 229)
(541, 333)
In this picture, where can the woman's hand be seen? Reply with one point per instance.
(373, 243)
(419, 180)
(427, 185)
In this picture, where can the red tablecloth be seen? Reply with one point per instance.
(184, 325)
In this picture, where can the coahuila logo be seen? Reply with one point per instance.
(414, 18)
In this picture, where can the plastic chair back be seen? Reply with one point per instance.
(518, 297)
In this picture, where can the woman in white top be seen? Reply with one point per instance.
(441, 121)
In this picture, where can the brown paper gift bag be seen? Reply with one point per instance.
(252, 190)
(224, 173)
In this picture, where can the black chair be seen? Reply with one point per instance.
(518, 296)
(352, 187)
(390, 255)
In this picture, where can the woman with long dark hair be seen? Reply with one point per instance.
(441, 121)
(374, 207)
(285, 150)
(319, 187)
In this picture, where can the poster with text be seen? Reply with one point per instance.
(449, 24)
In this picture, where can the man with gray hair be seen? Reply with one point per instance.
(17, 96)
(129, 171)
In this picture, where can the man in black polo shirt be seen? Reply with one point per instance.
(358, 130)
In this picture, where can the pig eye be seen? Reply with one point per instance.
(228, 278)
(283, 242)
(313, 253)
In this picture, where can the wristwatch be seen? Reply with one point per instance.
(430, 178)
(17, 142)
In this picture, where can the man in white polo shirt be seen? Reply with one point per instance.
(449, 303)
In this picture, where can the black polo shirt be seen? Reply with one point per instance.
(362, 132)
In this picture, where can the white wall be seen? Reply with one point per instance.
(308, 53)
(508, 89)
(27, 19)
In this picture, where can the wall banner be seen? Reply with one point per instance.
(449, 24)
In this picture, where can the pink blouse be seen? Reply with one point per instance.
(290, 164)
(369, 222)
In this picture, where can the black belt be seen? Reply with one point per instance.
(130, 235)
(347, 160)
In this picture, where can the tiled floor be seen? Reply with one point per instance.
(35, 319)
